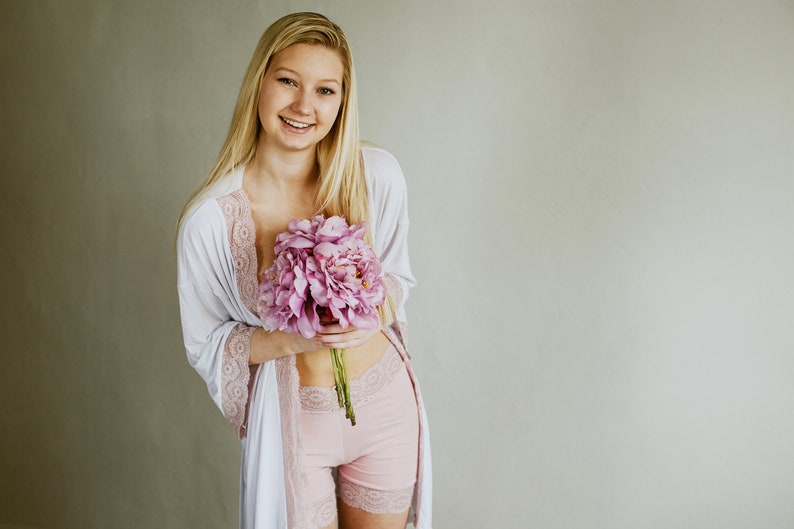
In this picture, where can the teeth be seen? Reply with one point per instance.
(295, 124)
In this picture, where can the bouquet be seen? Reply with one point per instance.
(323, 271)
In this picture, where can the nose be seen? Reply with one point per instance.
(302, 102)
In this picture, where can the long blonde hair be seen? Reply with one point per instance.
(343, 188)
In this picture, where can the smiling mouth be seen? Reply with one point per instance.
(296, 124)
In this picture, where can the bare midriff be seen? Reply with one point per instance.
(314, 367)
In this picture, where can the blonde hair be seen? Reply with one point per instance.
(343, 188)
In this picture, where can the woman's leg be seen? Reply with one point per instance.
(353, 518)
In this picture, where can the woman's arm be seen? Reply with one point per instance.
(271, 345)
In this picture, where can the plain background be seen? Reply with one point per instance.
(602, 202)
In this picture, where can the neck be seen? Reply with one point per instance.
(283, 170)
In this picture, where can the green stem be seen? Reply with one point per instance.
(340, 392)
(341, 383)
(349, 413)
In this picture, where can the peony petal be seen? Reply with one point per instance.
(306, 324)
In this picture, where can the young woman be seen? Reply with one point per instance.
(293, 151)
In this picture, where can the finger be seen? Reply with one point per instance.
(338, 341)
(342, 339)
(334, 328)
(353, 338)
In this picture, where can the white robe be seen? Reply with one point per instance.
(217, 284)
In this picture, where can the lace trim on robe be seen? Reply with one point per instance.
(325, 511)
(299, 507)
(237, 376)
(376, 501)
(242, 238)
(395, 334)
(394, 288)
(316, 399)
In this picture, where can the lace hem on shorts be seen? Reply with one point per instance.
(317, 399)
(376, 501)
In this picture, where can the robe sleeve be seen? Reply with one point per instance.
(389, 217)
(217, 340)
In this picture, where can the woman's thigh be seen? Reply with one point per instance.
(353, 518)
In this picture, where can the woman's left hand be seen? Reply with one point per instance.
(334, 336)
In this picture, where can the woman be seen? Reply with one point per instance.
(293, 151)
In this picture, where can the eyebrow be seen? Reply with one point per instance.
(298, 75)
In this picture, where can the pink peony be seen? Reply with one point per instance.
(321, 266)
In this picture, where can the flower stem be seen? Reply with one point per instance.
(342, 384)
(349, 413)
(340, 391)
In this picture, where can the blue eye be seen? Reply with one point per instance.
(287, 80)
(326, 91)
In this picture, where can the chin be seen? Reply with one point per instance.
(299, 146)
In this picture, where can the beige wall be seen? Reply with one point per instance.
(601, 201)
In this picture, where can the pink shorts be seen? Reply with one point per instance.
(375, 460)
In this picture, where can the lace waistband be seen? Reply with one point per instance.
(318, 399)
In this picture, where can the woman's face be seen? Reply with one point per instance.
(300, 97)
